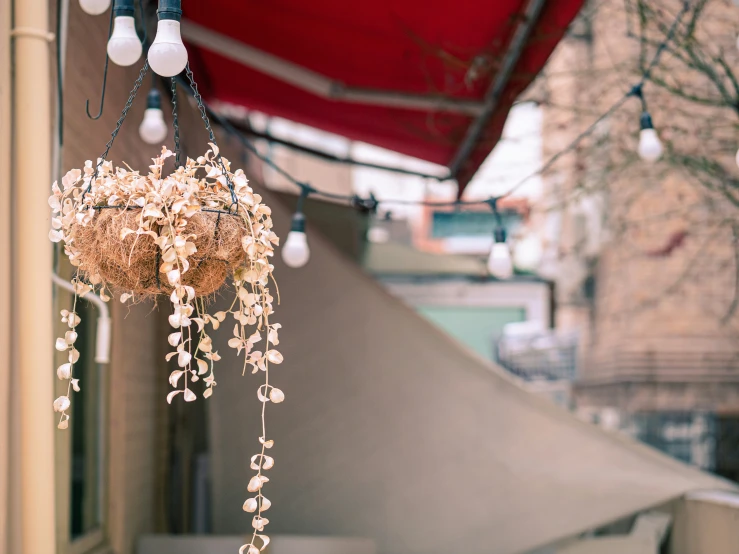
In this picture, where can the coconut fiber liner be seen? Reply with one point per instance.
(132, 264)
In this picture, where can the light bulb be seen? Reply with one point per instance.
(94, 7)
(378, 235)
(500, 264)
(295, 251)
(124, 46)
(153, 129)
(527, 253)
(650, 147)
(167, 54)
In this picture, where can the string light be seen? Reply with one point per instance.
(124, 45)
(500, 264)
(167, 54)
(295, 251)
(650, 147)
(94, 7)
(153, 129)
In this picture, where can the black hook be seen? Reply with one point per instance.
(105, 76)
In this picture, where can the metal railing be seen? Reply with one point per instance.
(543, 355)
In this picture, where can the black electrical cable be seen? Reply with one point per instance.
(635, 91)
(353, 199)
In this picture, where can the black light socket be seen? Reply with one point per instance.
(646, 121)
(123, 8)
(169, 9)
(298, 223)
(499, 234)
(154, 100)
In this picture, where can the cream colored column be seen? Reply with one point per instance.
(32, 265)
(5, 199)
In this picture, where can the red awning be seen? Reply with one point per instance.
(434, 80)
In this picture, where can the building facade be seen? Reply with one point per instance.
(646, 254)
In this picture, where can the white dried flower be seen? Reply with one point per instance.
(259, 523)
(64, 371)
(255, 483)
(276, 396)
(61, 404)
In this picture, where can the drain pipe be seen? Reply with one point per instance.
(32, 333)
(102, 335)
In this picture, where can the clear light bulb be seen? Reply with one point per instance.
(295, 251)
(167, 54)
(153, 129)
(500, 264)
(124, 46)
(94, 7)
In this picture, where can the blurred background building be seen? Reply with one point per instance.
(644, 256)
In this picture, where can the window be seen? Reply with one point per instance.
(87, 456)
(447, 224)
(686, 436)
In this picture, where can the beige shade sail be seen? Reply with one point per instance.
(392, 431)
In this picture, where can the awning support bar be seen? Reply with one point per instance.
(492, 97)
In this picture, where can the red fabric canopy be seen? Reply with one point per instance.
(449, 50)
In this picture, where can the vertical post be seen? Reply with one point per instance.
(32, 265)
(5, 199)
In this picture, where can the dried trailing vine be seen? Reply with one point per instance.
(161, 222)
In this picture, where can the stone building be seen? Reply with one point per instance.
(647, 265)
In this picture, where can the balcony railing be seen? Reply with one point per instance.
(542, 355)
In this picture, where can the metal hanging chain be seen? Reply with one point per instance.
(208, 128)
(119, 124)
(176, 126)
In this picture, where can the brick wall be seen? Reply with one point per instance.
(665, 277)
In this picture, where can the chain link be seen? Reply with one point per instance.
(119, 124)
(175, 124)
(211, 136)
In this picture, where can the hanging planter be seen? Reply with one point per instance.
(148, 234)
(181, 231)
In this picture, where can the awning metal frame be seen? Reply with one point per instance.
(492, 97)
(325, 87)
